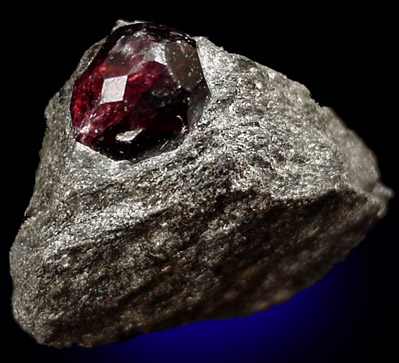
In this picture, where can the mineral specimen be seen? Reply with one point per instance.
(258, 200)
(143, 88)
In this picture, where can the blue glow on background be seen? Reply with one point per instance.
(304, 326)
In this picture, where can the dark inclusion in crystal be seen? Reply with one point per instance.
(144, 87)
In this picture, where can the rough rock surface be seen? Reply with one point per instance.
(259, 201)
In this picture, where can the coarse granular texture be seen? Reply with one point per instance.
(258, 201)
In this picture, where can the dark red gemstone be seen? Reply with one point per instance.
(144, 87)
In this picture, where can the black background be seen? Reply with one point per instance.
(344, 56)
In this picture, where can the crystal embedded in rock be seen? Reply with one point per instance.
(144, 86)
(271, 193)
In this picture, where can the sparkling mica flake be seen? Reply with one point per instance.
(145, 82)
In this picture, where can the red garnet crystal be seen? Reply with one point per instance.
(144, 87)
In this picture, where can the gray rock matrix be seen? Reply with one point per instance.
(258, 202)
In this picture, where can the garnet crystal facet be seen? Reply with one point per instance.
(144, 87)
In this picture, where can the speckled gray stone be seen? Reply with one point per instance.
(259, 201)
